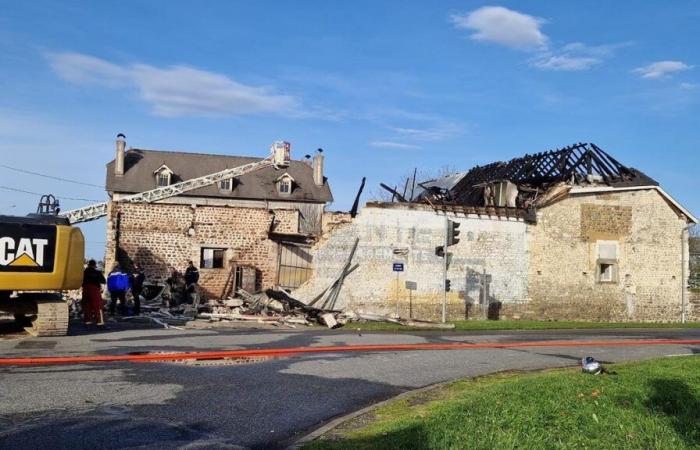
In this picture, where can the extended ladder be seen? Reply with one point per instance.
(98, 210)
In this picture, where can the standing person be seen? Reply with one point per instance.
(92, 294)
(137, 279)
(191, 279)
(118, 284)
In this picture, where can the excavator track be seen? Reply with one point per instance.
(41, 314)
(51, 318)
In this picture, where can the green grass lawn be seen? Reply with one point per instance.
(462, 325)
(645, 405)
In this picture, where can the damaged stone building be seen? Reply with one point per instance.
(251, 231)
(570, 234)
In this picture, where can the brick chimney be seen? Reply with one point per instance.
(317, 166)
(119, 160)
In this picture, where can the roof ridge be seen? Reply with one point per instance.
(182, 152)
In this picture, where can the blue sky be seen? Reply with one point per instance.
(383, 87)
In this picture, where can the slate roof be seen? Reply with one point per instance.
(140, 164)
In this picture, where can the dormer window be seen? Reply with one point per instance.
(226, 185)
(163, 176)
(285, 184)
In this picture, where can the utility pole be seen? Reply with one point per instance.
(684, 270)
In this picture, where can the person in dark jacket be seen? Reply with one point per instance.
(191, 279)
(92, 294)
(118, 284)
(137, 279)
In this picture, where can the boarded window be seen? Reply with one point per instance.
(607, 250)
(310, 219)
(295, 266)
(212, 258)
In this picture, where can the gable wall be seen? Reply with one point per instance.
(563, 259)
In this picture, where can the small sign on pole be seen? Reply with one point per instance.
(398, 267)
(410, 287)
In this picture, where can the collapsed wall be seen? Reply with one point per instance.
(488, 266)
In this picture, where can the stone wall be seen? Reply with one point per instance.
(542, 271)
(563, 281)
(157, 237)
(490, 248)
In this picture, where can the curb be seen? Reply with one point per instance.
(318, 432)
(323, 429)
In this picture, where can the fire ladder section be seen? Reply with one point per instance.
(98, 210)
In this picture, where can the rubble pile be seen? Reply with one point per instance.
(271, 307)
(173, 307)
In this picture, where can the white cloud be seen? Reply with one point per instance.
(689, 86)
(437, 133)
(599, 51)
(503, 26)
(176, 90)
(523, 32)
(564, 62)
(661, 69)
(410, 138)
(392, 144)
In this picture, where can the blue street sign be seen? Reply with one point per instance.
(398, 267)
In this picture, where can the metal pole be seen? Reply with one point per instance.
(684, 280)
(444, 275)
(397, 295)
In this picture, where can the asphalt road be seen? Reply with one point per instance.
(255, 404)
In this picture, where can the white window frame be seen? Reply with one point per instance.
(285, 181)
(226, 185)
(160, 173)
(162, 176)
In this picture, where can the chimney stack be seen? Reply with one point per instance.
(119, 160)
(317, 167)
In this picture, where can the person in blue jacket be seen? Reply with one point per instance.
(117, 284)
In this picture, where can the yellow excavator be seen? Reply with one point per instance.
(41, 255)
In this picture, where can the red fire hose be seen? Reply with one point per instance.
(281, 352)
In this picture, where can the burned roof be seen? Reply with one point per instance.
(140, 166)
(576, 164)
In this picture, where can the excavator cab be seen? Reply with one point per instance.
(40, 256)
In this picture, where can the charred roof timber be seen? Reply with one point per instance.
(523, 182)
(574, 163)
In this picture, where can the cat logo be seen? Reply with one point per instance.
(27, 247)
(24, 252)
